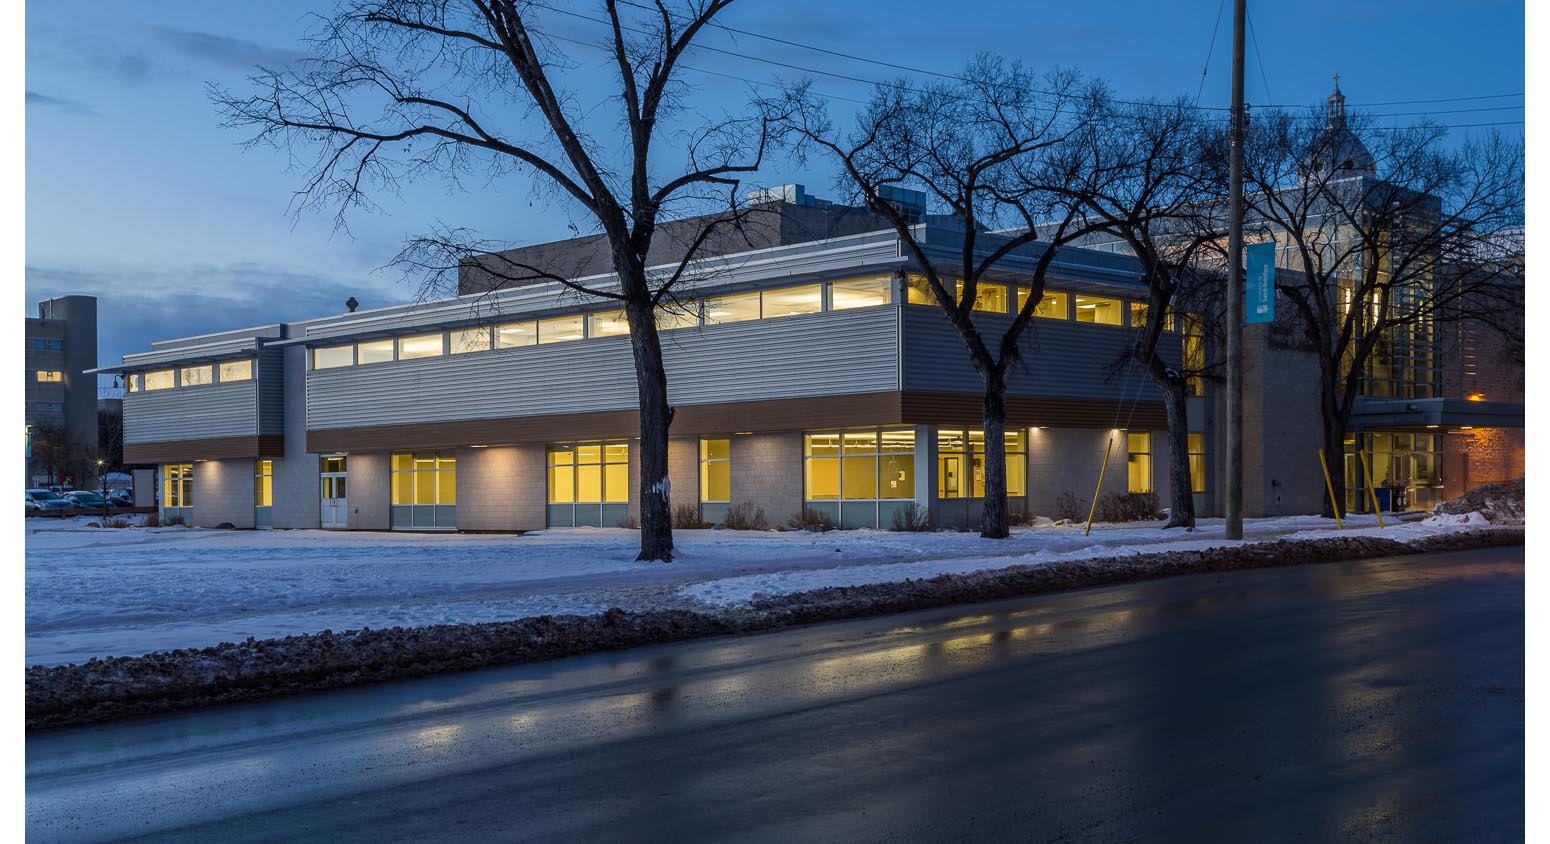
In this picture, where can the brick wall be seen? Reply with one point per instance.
(501, 488)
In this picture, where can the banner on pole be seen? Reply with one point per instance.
(1260, 283)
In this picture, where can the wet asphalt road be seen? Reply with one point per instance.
(1370, 701)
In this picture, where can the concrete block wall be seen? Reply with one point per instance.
(501, 488)
(298, 492)
(767, 470)
(368, 490)
(223, 493)
(1282, 433)
(683, 471)
(1062, 460)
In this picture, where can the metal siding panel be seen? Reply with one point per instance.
(189, 413)
(811, 355)
(271, 391)
(1059, 358)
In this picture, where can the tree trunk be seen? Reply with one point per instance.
(995, 524)
(1334, 457)
(1181, 493)
(656, 416)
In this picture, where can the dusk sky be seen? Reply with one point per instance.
(135, 194)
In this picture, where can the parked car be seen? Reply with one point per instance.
(83, 499)
(121, 498)
(48, 500)
(32, 506)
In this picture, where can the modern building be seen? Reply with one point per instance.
(806, 374)
(60, 396)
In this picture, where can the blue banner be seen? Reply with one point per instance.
(1260, 283)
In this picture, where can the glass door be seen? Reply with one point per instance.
(335, 501)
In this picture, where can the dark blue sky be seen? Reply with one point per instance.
(135, 194)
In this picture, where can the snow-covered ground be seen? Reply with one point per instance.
(129, 591)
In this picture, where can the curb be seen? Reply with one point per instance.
(117, 688)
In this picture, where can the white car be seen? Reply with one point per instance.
(48, 500)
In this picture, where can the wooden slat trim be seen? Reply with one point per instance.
(211, 448)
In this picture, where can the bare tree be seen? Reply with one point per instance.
(60, 452)
(405, 89)
(1145, 176)
(1387, 233)
(979, 147)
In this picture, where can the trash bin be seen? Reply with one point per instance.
(1384, 499)
(1401, 499)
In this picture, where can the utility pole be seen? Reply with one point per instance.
(1235, 286)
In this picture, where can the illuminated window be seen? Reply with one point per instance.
(420, 346)
(590, 472)
(236, 370)
(1197, 462)
(263, 483)
(790, 301)
(1053, 305)
(177, 485)
(682, 315)
(193, 376)
(560, 329)
(132, 382)
(50, 375)
(161, 379)
(1194, 354)
(331, 357)
(961, 463)
(715, 470)
(607, 324)
(516, 334)
(374, 351)
(917, 291)
(1099, 310)
(987, 297)
(424, 489)
(860, 293)
(469, 340)
(1140, 448)
(735, 308)
(859, 465)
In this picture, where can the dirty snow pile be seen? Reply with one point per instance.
(1497, 504)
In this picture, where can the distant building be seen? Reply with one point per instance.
(60, 397)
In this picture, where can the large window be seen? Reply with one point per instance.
(469, 340)
(50, 375)
(961, 463)
(589, 483)
(193, 376)
(1139, 446)
(374, 351)
(860, 293)
(607, 324)
(858, 471)
(419, 346)
(424, 489)
(1194, 354)
(263, 492)
(1099, 310)
(161, 379)
(715, 470)
(680, 315)
(1054, 305)
(987, 297)
(331, 357)
(132, 382)
(738, 307)
(236, 370)
(177, 485)
(516, 334)
(560, 329)
(790, 301)
(1197, 462)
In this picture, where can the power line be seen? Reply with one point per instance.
(1210, 48)
(1258, 56)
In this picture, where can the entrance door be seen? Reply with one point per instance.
(335, 502)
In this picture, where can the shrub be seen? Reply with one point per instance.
(687, 517)
(1017, 519)
(152, 519)
(1128, 507)
(116, 522)
(628, 522)
(816, 521)
(1069, 507)
(912, 519)
(745, 516)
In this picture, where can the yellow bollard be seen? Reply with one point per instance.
(1330, 485)
(1371, 492)
(1104, 471)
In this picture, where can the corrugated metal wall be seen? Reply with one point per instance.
(271, 391)
(810, 355)
(1059, 358)
(187, 413)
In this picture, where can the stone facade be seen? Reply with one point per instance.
(223, 493)
(767, 470)
(501, 488)
(368, 490)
